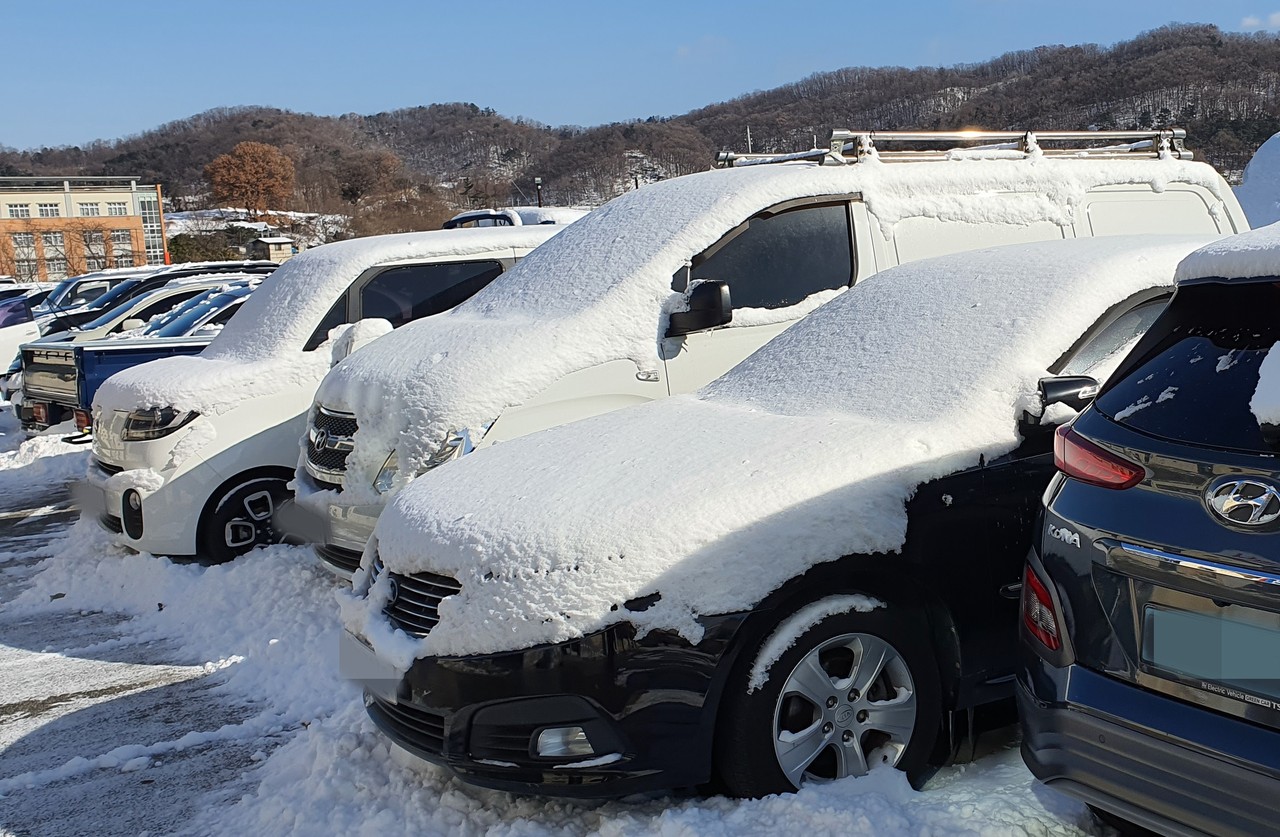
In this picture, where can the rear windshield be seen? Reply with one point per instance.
(1191, 377)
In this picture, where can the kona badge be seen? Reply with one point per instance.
(1247, 502)
(1065, 535)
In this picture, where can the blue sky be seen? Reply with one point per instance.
(103, 70)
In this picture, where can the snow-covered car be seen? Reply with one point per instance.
(192, 454)
(669, 286)
(45, 361)
(806, 569)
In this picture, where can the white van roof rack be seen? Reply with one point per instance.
(851, 146)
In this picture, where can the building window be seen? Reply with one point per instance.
(89, 210)
(152, 228)
(117, 208)
(55, 269)
(19, 210)
(55, 255)
(49, 210)
(121, 248)
(95, 250)
(24, 251)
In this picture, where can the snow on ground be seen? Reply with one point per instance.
(139, 695)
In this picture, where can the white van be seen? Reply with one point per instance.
(666, 288)
(192, 454)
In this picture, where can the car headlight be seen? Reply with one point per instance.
(456, 443)
(155, 423)
(387, 476)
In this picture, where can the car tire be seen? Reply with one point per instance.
(826, 721)
(241, 519)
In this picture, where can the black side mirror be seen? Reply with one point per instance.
(709, 306)
(1075, 391)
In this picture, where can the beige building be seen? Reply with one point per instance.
(54, 227)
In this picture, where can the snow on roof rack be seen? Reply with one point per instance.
(851, 146)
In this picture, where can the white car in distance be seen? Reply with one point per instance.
(192, 454)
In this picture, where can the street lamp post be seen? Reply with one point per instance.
(537, 182)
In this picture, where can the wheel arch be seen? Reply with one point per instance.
(211, 503)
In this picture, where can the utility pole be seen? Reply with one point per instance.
(537, 182)
(748, 139)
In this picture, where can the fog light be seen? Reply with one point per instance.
(131, 517)
(564, 741)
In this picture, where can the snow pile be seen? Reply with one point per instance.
(278, 662)
(593, 295)
(1265, 403)
(1247, 255)
(339, 777)
(1259, 193)
(43, 460)
(805, 452)
(260, 349)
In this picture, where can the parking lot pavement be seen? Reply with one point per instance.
(100, 731)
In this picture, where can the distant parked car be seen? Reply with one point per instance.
(65, 376)
(514, 216)
(1150, 683)
(47, 363)
(804, 570)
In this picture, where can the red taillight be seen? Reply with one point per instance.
(1081, 459)
(40, 412)
(1037, 611)
(83, 421)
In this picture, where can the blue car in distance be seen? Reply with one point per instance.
(1149, 683)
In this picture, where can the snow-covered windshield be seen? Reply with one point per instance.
(915, 348)
(167, 317)
(207, 306)
(117, 294)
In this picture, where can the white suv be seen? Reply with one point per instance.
(667, 287)
(192, 454)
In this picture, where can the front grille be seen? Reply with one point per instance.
(335, 426)
(347, 560)
(414, 609)
(414, 725)
(111, 523)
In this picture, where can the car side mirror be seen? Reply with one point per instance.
(709, 306)
(132, 323)
(1074, 391)
(350, 338)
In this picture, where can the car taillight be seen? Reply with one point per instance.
(1081, 459)
(1037, 611)
(83, 422)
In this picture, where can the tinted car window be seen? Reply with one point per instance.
(402, 294)
(1191, 378)
(779, 260)
(334, 317)
(1099, 354)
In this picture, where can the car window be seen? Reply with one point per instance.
(334, 317)
(87, 292)
(1102, 352)
(402, 294)
(1192, 376)
(162, 305)
(779, 259)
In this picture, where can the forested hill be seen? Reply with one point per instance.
(1223, 87)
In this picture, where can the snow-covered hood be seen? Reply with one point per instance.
(260, 350)
(805, 452)
(593, 295)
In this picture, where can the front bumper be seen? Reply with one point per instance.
(1155, 761)
(647, 707)
(340, 532)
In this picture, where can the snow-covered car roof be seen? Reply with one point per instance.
(264, 341)
(803, 453)
(519, 215)
(1248, 255)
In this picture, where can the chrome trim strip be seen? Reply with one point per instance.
(325, 474)
(334, 413)
(1199, 565)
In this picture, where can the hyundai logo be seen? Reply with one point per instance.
(319, 438)
(1247, 502)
